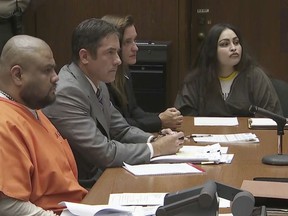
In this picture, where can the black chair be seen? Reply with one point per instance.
(88, 183)
(281, 88)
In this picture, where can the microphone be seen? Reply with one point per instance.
(280, 120)
(278, 159)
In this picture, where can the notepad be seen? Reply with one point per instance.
(148, 202)
(137, 199)
(95, 210)
(162, 169)
(209, 154)
(225, 138)
(263, 123)
(216, 121)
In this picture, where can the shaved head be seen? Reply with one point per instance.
(27, 71)
(19, 50)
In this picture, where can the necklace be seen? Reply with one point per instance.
(7, 95)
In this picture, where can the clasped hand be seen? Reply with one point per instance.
(171, 118)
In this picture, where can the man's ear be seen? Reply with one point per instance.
(84, 56)
(17, 74)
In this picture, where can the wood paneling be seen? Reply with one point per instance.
(260, 22)
(263, 24)
(155, 20)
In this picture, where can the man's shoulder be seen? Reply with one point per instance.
(103, 85)
(67, 76)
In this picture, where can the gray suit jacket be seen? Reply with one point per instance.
(98, 134)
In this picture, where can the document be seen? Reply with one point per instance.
(96, 210)
(162, 169)
(263, 123)
(137, 199)
(225, 138)
(122, 204)
(216, 121)
(209, 154)
(148, 202)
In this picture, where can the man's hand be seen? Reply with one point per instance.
(171, 118)
(168, 144)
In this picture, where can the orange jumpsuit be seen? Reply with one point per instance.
(36, 163)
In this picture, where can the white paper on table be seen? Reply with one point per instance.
(203, 149)
(197, 154)
(226, 138)
(162, 169)
(137, 199)
(149, 202)
(264, 123)
(95, 210)
(216, 121)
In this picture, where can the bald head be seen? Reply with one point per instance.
(19, 50)
(27, 71)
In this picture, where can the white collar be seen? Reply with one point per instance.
(93, 85)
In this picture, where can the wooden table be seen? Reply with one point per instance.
(246, 164)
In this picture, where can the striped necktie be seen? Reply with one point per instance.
(99, 95)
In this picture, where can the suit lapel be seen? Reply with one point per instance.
(97, 109)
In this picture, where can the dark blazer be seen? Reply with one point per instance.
(135, 115)
(98, 134)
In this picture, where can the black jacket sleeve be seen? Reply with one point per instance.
(135, 115)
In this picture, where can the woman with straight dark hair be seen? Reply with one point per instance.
(225, 80)
(121, 91)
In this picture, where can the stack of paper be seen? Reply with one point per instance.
(124, 204)
(144, 199)
(225, 138)
(197, 154)
(263, 123)
(162, 169)
(147, 202)
(216, 121)
(76, 209)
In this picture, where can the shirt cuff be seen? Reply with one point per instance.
(151, 149)
(149, 141)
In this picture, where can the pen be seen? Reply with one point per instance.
(164, 134)
(208, 162)
(250, 140)
(199, 135)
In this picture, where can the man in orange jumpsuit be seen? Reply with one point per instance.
(37, 167)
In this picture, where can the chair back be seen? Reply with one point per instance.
(281, 88)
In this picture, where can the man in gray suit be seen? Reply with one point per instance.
(98, 134)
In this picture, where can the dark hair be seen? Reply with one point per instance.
(206, 63)
(88, 35)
